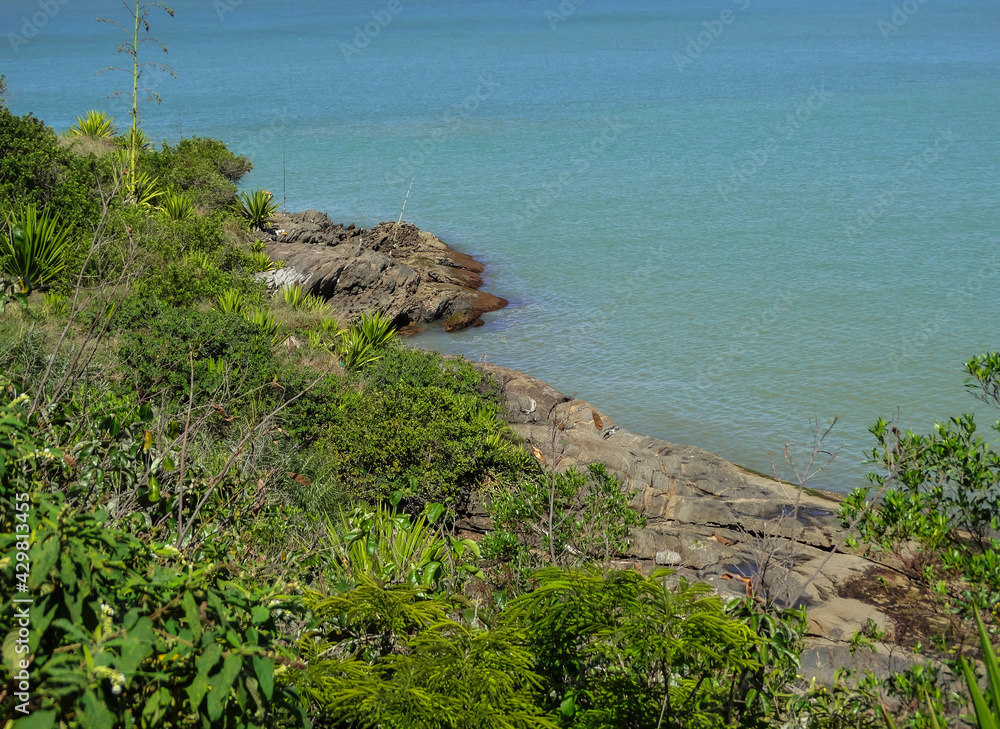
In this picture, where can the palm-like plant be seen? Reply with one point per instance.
(95, 125)
(32, 249)
(314, 304)
(135, 139)
(177, 206)
(257, 207)
(202, 260)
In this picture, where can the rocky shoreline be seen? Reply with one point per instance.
(405, 272)
(714, 522)
(707, 519)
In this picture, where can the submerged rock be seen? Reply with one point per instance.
(401, 271)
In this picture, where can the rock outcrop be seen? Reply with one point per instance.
(718, 523)
(401, 270)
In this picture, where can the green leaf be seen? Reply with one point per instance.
(222, 685)
(45, 562)
(568, 706)
(135, 647)
(36, 720)
(191, 615)
(264, 670)
(434, 511)
(95, 713)
(259, 614)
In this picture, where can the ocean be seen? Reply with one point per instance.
(717, 221)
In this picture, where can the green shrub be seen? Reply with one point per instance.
(203, 168)
(416, 368)
(590, 514)
(379, 439)
(125, 633)
(619, 649)
(35, 169)
(155, 342)
(936, 504)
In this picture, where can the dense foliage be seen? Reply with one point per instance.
(936, 505)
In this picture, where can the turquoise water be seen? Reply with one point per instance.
(713, 220)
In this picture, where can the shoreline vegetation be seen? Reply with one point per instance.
(230, 497)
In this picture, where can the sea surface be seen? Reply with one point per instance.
(714, 220)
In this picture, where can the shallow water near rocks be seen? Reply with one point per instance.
(712, 238)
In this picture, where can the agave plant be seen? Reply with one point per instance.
(55, 304)
(363, 343)
(330, 326)
(135, 139)
(232, 301)
(258, 246)
(32, 249)
(177, 206)
(294, 296)
(376, 327)
(987, 710)
(257, 207)
(260, 261)
(314, 304)
(202, 260)
(95, 125)
(266, 321)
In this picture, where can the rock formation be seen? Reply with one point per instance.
(401, 270)
(715, 522)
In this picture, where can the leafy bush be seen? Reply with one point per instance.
(941, 493)
(35, 169)
(124, 633)
(381, 439)
(388, 656)
(203, 168)
(620, 649)
(156, 342)
(588, 511)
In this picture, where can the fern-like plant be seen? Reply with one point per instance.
(257, 207)
(95, 125)
(32, 249)
(177, 206)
